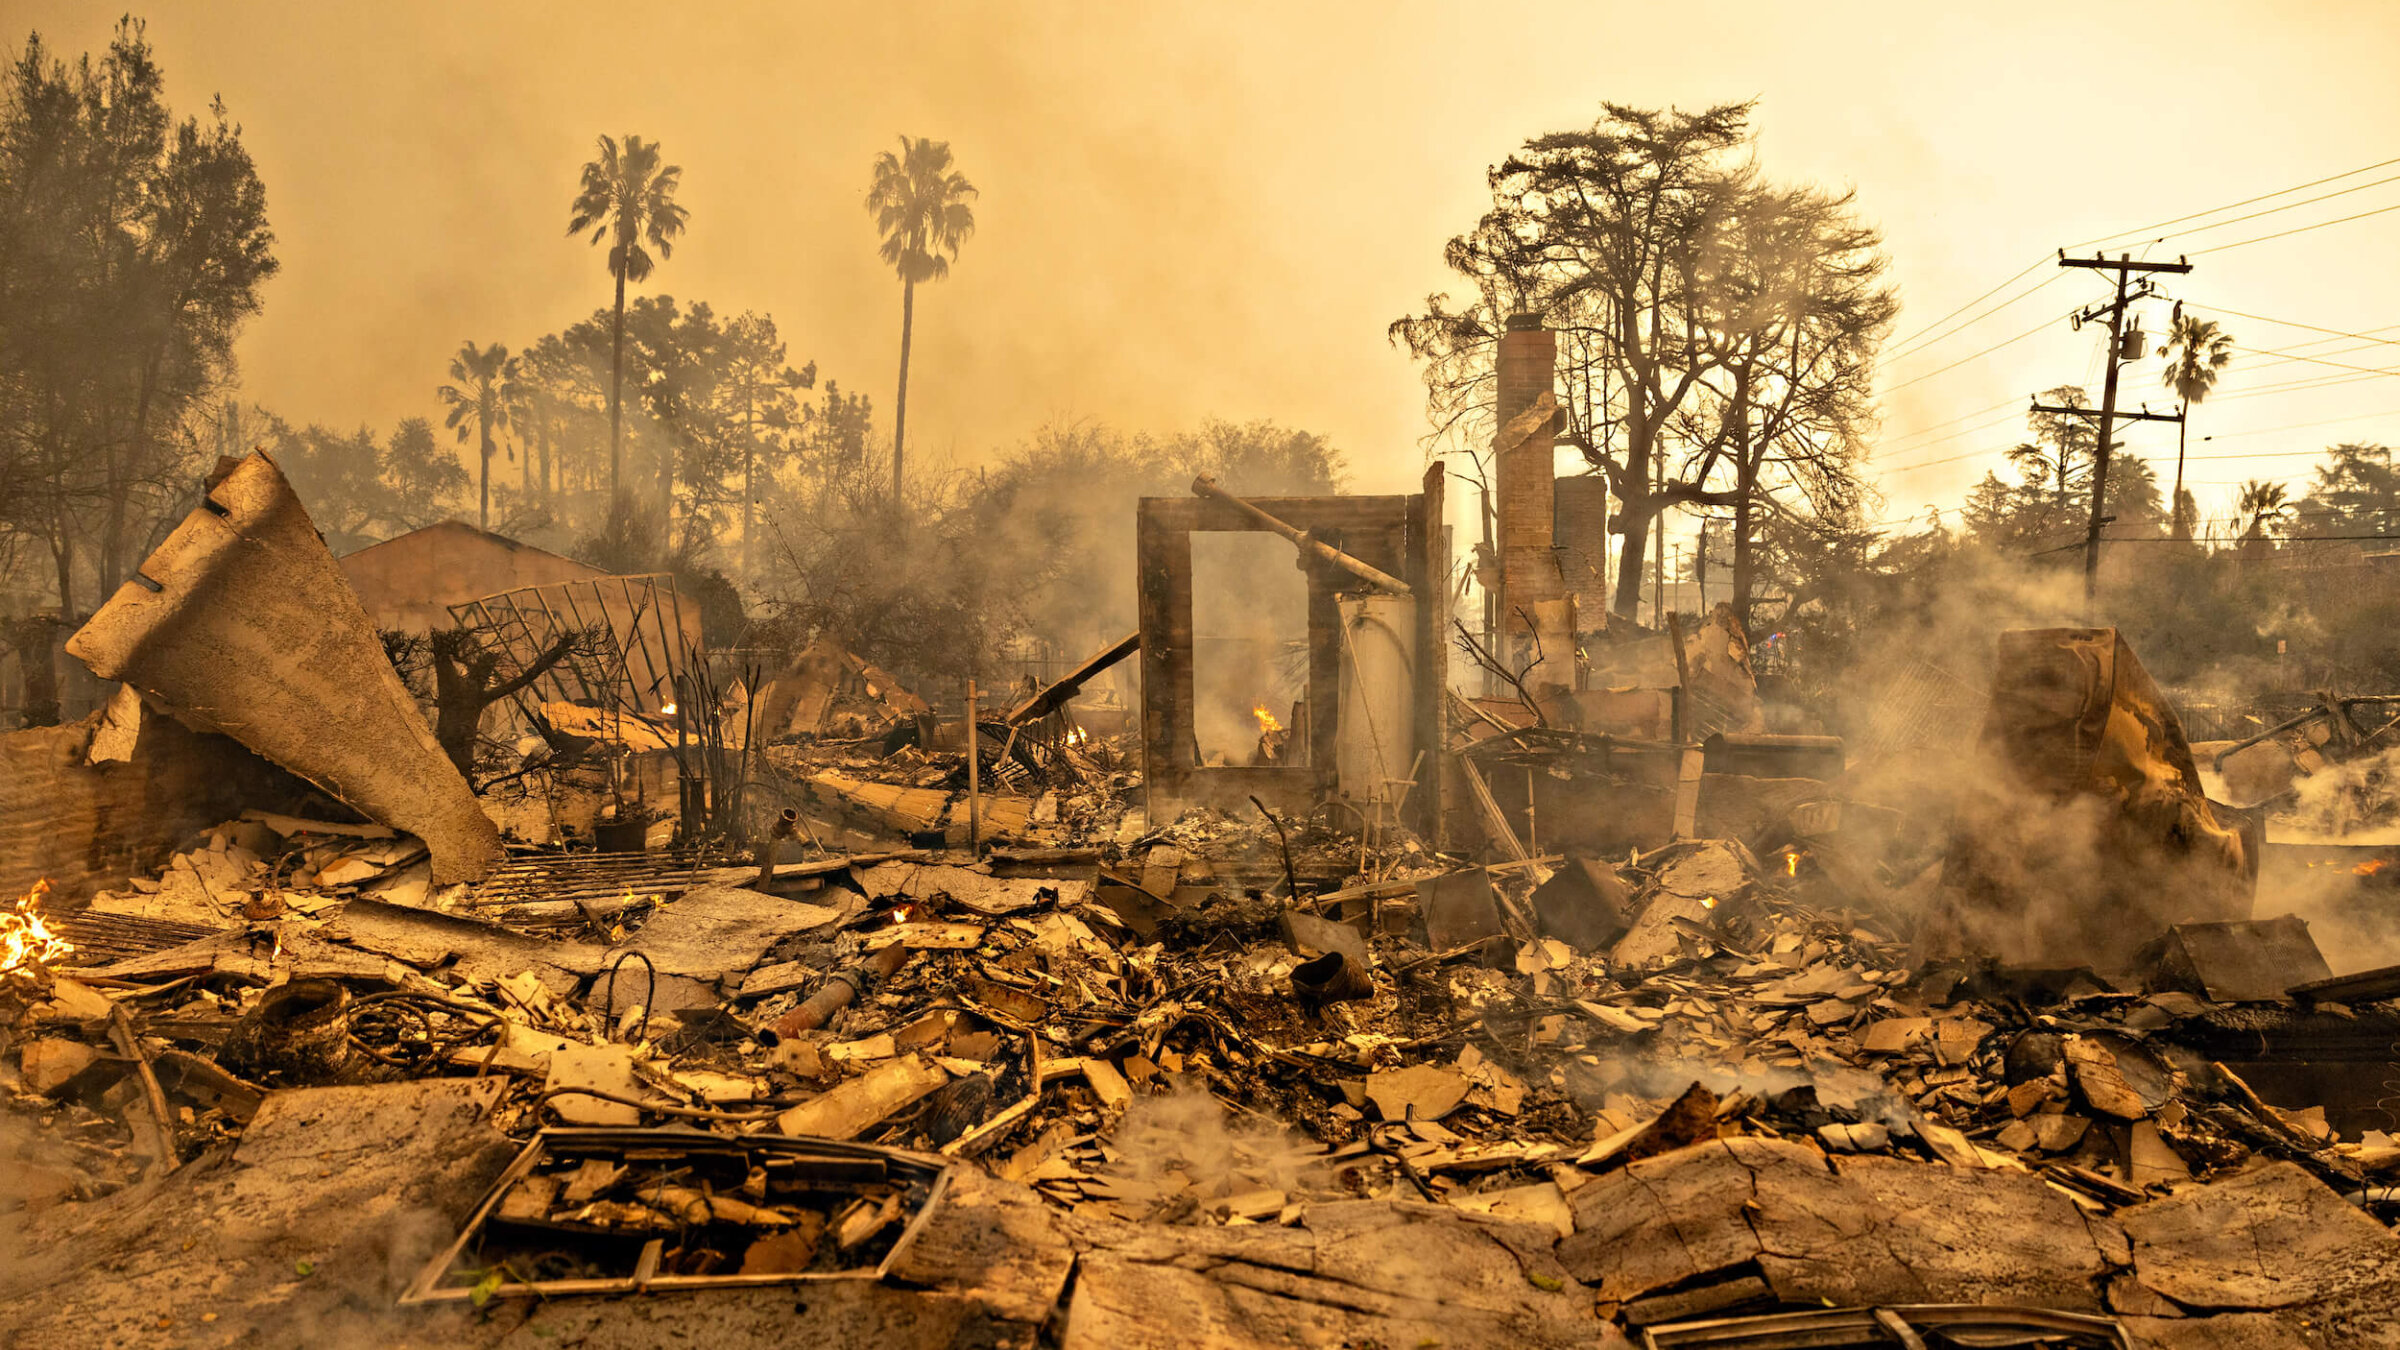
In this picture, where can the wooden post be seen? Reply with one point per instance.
(974, 778)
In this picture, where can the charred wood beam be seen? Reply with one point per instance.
(1049, 700)
(1205, 486)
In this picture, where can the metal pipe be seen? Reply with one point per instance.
(1206, 486)
(840, 988)
(786, 825)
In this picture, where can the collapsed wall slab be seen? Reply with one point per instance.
(91, 803)
(243, 624)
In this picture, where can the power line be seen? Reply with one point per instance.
(2287, 206)
(2029, 267)
(2296, 229)
(2300, 386)
(2351, 350)
(1936, 463)
(1976, 430)
(2297, 426)
(2287, 323)
(2269, 454)
(1979, 412)
(2264, 196)
(2007, 342)
(2318, 360)
(1917, 341)
(2240, 538)
(1930, 342)
(2320, 342)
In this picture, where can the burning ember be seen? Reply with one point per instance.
(1271, 736)
(2370, 867)
(1791, 863)
(24, 939)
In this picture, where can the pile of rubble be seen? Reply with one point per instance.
(1139, 1042)
(978, 1052)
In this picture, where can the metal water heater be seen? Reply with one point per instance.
(1376, 744)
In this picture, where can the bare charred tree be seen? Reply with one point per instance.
(1716, 332)
(35, 640)
(761, 397)
(1796, 306)
(466, 681)
(1607, 233)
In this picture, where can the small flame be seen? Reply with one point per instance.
(1266, 720)
(24, 939)
(1708, 902)
(667, 711)
(1077, 736)
(1791, 864)
(2370, 867)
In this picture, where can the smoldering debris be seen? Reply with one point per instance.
(921, 997)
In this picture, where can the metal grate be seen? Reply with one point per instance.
(100, 939)
(602, 876)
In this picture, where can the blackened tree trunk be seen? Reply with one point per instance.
(908, 320)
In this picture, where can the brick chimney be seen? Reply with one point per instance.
(1526, 475)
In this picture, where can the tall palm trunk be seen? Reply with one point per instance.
(2175, 522)
(483, 508)
(749, 479)
(616, 387)
(908, 320)
(666, 493)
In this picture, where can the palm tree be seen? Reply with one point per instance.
(2261, 507)
(920, 206)
(520, 399)
(2197, 352)
(627, 196)
(478, 406)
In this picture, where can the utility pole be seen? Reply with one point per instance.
(1700, 566)
(2125, 268)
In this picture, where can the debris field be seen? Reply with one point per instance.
(905, 1024)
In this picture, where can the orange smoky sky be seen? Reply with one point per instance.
(1214, 210)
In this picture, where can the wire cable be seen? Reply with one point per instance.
(1979, 412)
(2229, 206)
(2287, 206)
(1929, 343)
(2005, 342)
(2287, 323)
(2318, 360)
(1904, 341)
(2296, 229)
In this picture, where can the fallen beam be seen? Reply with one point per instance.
(1206, 486)
(1048, 700)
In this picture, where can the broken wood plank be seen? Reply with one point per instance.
(1067, 686)
(1494, 823)
(852, 1108)
(919, 937)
